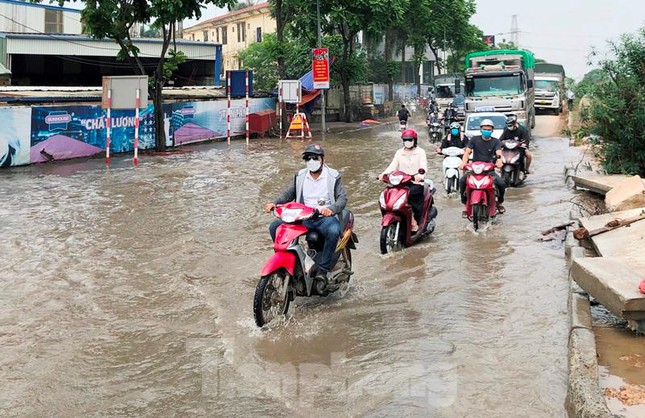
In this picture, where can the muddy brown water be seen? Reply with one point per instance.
(128, 292)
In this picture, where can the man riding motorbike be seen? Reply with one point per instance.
(450, 114)
(318, 186)
(410, 159)
(455, 138)
(516, 131)
(488, 149)
(403, 114)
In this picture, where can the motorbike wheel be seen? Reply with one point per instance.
(479, 215)
(346, 257)
(455, 184)
(388, 243)
(507, 176)
(267, 303)
(449, 187)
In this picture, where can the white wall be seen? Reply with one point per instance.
(31, 19)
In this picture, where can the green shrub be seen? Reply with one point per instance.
(617, 111)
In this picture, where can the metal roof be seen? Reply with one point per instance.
(37, 44)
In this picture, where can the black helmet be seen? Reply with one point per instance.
(313, 149)
(510, 120)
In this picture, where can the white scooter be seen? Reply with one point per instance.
(403, 125)
(451, 163)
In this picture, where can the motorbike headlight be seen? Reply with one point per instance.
(395, 180)
(478, 168)
(510, 145)
(399, 202)
(290, 215)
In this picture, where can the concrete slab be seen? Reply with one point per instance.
(614, 283)
(598, 183)
(629, 194)
(627, 242)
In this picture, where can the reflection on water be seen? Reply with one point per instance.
(128, 292)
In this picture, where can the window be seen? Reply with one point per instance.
(217, 34)
(53, 21)
(258, 34)
(224, 40)
(205, 33)
(241, 32)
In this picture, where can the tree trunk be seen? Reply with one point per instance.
(157, 99)
(388, 59)
(281, 20)
(344, 81)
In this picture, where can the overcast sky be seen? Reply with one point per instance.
(561, 31)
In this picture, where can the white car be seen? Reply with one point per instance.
(471, 125)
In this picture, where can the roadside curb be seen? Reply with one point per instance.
(584, 398)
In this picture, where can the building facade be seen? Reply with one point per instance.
(24, 17)
(234, 31)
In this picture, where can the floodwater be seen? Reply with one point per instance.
(129, 292)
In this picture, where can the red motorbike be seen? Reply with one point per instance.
(290, 271)
(397, 212)
(512, 172)
(481, 203)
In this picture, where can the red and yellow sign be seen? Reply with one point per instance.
(320, 68)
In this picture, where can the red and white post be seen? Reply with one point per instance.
(137, 101)
(108, 126)
(246, 87)
(228, 107)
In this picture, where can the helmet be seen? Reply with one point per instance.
(455, 125)
(510, 120)
(410, 134)
(313, 149)
(486, 122)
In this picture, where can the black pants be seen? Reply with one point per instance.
(499, 185)
(415, 199)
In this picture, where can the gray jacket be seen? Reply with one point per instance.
(334, 185)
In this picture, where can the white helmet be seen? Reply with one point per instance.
(486, 122)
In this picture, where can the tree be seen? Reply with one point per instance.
(617, 105)
(113, 19)
(239, 5)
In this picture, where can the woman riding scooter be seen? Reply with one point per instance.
(411, 159)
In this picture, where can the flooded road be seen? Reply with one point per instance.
(129, 292)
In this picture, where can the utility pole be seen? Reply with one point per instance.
(322, 91)
(515, 32)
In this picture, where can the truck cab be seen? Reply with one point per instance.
(502, 80)
(549, 87)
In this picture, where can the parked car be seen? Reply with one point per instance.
(471, 126)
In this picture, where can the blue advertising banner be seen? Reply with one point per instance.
(14, 136)
(197, 121)
(79, 131)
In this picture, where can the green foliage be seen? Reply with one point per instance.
(617, 110)
(589, 82)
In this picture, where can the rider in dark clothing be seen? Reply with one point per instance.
(455, 138)
(518, 132)
(403, 114)
(449, 115)
(488, 149)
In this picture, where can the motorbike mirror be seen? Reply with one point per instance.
(422, 171)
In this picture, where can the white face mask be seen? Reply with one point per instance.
(408, 144)
(314, 165)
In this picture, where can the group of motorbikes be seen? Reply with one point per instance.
(289, 271)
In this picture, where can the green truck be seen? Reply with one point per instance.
(502, 81)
